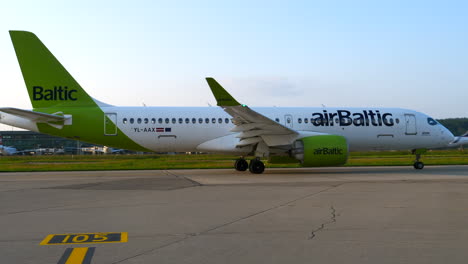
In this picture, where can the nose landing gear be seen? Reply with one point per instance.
(419, 165)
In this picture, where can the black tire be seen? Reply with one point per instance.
(241, 165)
(418, 165)
(256, 166)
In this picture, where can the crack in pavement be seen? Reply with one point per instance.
(168, 173)
(193, 235)
(332, 220)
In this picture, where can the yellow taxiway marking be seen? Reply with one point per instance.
(85, 238)
(77, 256)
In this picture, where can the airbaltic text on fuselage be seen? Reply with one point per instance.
(59, 93)
(346, 118)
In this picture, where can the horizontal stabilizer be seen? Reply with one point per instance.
(34, 116)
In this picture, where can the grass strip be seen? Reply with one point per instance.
(206, 161)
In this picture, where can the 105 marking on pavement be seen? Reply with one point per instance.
(85, 238)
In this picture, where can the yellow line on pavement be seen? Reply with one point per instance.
(77, 256)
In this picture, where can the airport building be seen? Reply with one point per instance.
(29, 140)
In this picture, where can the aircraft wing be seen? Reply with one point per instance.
(252, 126)
(33, 116)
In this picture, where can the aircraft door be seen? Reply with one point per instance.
(166, 143)
(410, 124)
(110, 124)
(288, 121)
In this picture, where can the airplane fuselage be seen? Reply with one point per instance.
(183, 129)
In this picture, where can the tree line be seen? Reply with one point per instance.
(458, 126)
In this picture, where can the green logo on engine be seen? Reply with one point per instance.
(328, 151)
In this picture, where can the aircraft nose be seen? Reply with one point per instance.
(447, 136)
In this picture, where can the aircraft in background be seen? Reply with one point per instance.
(313, 136)
(7, 151)
(101, 150)
(459, 141)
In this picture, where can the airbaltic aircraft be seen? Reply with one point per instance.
(313, 136)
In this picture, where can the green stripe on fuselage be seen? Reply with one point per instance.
(88, 125)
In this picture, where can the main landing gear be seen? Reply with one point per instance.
(419, 165)
(241, 164)
(255, 166)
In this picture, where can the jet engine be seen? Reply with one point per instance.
(321, 150)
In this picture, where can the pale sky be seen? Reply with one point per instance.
(408, 54)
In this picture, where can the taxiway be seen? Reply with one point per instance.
(320, 215)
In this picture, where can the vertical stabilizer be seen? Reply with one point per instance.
(48, 82)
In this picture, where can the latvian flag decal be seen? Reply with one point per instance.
(163, 129)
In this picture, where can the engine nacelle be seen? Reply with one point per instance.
(321, 150)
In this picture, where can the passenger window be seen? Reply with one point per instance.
(146, 120)
(220, 120)
(299, 120)
(132, 120)
(277, 120)
(213, 120)
(288, 120)
(226, 120)
(187, 120)
(153, 120)
(207, 120)
(173, 120)
(124, 121)
(160, 120)
(306, 120)
(181, 120)
(139, 120)
(166, 120)
(200, 120)
(194, 120)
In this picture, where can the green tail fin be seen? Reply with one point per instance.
(48, 82)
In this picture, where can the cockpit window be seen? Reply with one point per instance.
(431, 121)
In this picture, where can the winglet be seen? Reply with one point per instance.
(223, 98)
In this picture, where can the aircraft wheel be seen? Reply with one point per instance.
(418, 165)
(241, 165)
(256, 166)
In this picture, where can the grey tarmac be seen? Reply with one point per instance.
(318, 215)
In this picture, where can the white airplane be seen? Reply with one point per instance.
(7, 151)
(459, 141)
(313, 136)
